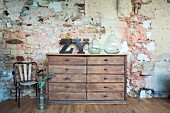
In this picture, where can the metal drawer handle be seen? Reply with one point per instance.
(105, 69)
(66, 78)
(66, 69)
(105, 78)
(106, 60)
(67, 87)
(67, 60)
(105, 87)
(105, 96)
(67, 96)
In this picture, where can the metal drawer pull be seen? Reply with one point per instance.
(105, 96)
(105, 60)
(105, 69)
(67, 60)
(105, 87)
(66, 69)
(105, 78)
(67, 96)
(67, 87)
(66, 78)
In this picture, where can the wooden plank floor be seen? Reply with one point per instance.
(134, 105)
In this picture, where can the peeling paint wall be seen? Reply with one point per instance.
(31, 28)
(160, 12)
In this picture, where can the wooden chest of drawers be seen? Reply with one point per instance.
(87, 78)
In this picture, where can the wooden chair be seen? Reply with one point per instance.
(24, 74)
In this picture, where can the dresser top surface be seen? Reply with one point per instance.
(56, 54)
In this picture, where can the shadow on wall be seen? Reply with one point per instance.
(158, 79)
(162, 76)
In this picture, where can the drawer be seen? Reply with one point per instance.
(67, 96)
(66, 69)
(53, 60)
(106, 69)
(67, 87)
(92, 87)
(106, 96)
(68, 78)
(105, 78)
(106, 60)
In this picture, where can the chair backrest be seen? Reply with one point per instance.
(25, 71)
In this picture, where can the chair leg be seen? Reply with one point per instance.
(36, 89)
(16, 93)
(19, 96)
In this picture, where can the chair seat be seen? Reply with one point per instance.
(27, 82)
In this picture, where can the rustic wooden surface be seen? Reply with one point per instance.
(105, 96)
(53, 60)
(69, 87)
(105, 60)
(105, 78)
(135, 105)
(64, 69)
(68, 78)
(105, 87)
(106, 69)
(87, 78)
(67, 96)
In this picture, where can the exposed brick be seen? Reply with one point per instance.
(41, 37)
(20, 58)
(91, 30)
(14, 41)
(7, 51)
(30, 40)
(11, 46)
(65, 35)
(14, 52)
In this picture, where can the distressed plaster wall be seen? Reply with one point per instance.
(161, 55)
(30, 29)
(150, 43)
(160, 29)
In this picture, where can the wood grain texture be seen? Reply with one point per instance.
(101, 78)
(67, 96)
(69, 87)
(134, 105)
(106, 69)
(66, 60)
(105, 78)
(64, 69)
(105, 87)
(106, 96)
(68, 78)
(106, 60)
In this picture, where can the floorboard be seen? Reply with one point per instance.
(134, 105)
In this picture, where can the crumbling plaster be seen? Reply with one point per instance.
(142, 26)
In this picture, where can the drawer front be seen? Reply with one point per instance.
(106, 60)
(106, 69)
(68, 78)
(67, 69)
(69, 87)
(106, 96)
(64, 60)
(91, 87)
(67, 96)
(105, 78)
